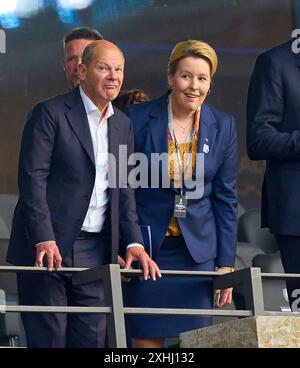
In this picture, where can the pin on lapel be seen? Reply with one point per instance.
(206, 146)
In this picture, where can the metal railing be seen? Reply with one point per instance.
(249, 279)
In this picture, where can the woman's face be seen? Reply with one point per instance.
(190, 83)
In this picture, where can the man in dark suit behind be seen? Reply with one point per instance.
(273, 134)
(74, 43)
(68, 214)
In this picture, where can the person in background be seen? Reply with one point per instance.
(74, 42)
(273, 134)
(127, 98)
(67, 215)
(196, 233)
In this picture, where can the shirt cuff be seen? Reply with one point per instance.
(134, 245)
(46, 241)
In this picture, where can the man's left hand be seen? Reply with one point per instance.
(150, 268)
(121, 263)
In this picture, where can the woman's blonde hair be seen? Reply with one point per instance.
(194, 48)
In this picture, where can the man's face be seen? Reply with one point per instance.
(72, 59)
(102, 78)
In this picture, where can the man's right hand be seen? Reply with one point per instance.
(150, 268)
(50, 250)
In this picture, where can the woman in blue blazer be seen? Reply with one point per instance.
(191, 228)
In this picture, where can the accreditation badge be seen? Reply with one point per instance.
(180, 206)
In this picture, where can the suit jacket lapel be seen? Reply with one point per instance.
(207, 130)
(113, 136)
(158, 126)
(113, 172)
(78, 120)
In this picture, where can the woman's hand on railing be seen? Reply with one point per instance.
(224, 296)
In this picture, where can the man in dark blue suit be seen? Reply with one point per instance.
(68, 213)
(273, 135)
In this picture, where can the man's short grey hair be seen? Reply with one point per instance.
(88, 53)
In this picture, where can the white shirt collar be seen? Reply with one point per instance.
(91, 107)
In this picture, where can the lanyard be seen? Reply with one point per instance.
(180, 161)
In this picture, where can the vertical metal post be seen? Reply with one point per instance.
(2, 42)
(114, 298)
(253, 291)
(2, 301)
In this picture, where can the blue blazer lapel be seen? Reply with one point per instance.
(207, 130)
(158, 125)
(78, 120)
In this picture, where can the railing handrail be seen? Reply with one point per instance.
(130, 272)
(249, 278)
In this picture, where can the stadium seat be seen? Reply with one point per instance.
(241, 210)
(4, 232)
(7, 206)
(250, 231)
(274, 290)
(11, 328)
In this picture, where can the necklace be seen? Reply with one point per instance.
(185, 130)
